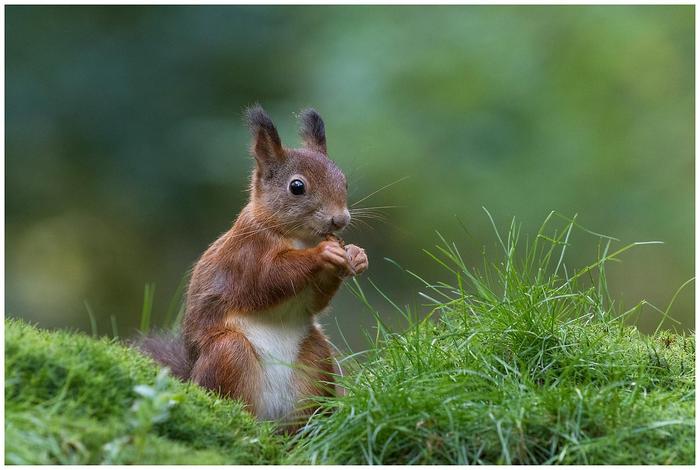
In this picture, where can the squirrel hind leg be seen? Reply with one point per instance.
(168, 350)
(315, 376)
(230, 367)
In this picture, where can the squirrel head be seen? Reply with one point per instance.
(299, 192)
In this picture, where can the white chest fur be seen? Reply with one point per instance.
(276, 335)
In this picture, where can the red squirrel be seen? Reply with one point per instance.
(250, 329)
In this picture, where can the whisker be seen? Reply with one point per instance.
(380, 189)
(367, 213)
(394, 226)
(371, 217)
(261, 229)
(364, 222)
(375, 207)
(292, 228)
(263, 221)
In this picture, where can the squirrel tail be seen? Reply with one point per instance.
(168, 350)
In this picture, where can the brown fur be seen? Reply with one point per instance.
(314, 375)
(258, 264)
(246, 273)
(228, 365)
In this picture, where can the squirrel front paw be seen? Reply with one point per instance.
(357, 258)
(333, 257)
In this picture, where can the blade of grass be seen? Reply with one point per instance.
(147, 308)
(93, 321)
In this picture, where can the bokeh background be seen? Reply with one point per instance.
(126, 155)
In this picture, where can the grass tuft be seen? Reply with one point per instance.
(520, 362)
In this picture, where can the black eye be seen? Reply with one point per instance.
(297, 187)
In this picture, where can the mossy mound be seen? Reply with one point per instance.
(70, 398)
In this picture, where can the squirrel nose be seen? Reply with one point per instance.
(340, 221)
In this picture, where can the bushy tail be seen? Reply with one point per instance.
(169, 351)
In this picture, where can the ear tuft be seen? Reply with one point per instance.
(312, 130)
(257, 120)
(266, 146)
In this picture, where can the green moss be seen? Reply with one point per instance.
(67, 396)
(37, 437)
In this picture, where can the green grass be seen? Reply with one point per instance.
(521, 361)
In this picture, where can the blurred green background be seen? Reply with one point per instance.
(126, 154)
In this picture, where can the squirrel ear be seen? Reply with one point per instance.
(266, 146)
(312, 130)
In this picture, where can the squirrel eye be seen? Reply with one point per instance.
(296, 187)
